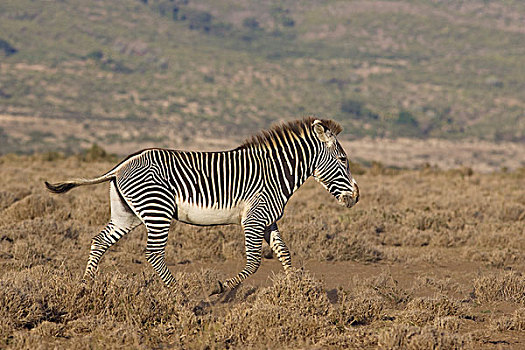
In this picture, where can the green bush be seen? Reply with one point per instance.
(220, 28)
(351, 106)
(96, 153)
(251, 23)
(282, 16)
(7, 48)
(287, 21)
(356, 109)
(95, 55)
(199, 20)
(406, 118)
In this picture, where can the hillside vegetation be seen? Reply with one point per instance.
(168, 73)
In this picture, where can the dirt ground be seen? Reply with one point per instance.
(428, 258)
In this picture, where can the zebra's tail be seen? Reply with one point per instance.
(62, 187)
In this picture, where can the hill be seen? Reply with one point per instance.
(171, 73)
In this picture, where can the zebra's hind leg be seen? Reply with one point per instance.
(254, 234)
(122, 221)
(274, 240)
(156, 210)
(155, 251)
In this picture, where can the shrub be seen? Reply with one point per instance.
(95, 55)
(506, 286)
(7, 48)
(351, 106)
(30, 207)
(287, 21)
(293, 310)
(515, 322)
(406, 118)
(251, 23)
(428, 337)
(199, 20)
(356, 108)
(357, 310)
(421, 311)
(96, 153)
(282, 16)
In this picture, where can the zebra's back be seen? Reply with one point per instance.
(203, 188)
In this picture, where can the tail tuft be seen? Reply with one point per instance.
(60, 187)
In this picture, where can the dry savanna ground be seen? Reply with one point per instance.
(427, 259)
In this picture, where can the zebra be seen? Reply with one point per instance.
(249, 186)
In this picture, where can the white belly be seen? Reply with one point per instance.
(193, 214)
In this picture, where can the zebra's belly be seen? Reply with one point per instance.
(194, 214)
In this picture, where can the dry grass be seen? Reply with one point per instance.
(427, 259)
(421, 338)
(507, 286)
(515, 322)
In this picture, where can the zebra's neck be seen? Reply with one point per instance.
(289, 160)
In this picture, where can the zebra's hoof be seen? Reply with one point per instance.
(218, 289)
(87, 281)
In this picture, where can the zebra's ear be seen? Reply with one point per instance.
(323, 133)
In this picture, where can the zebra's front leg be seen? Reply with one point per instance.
(274, 240)
(253, 234)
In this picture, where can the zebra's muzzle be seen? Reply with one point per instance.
(349, 199)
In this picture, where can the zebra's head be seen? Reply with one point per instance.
(332, 169)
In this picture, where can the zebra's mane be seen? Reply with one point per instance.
(296, 127)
